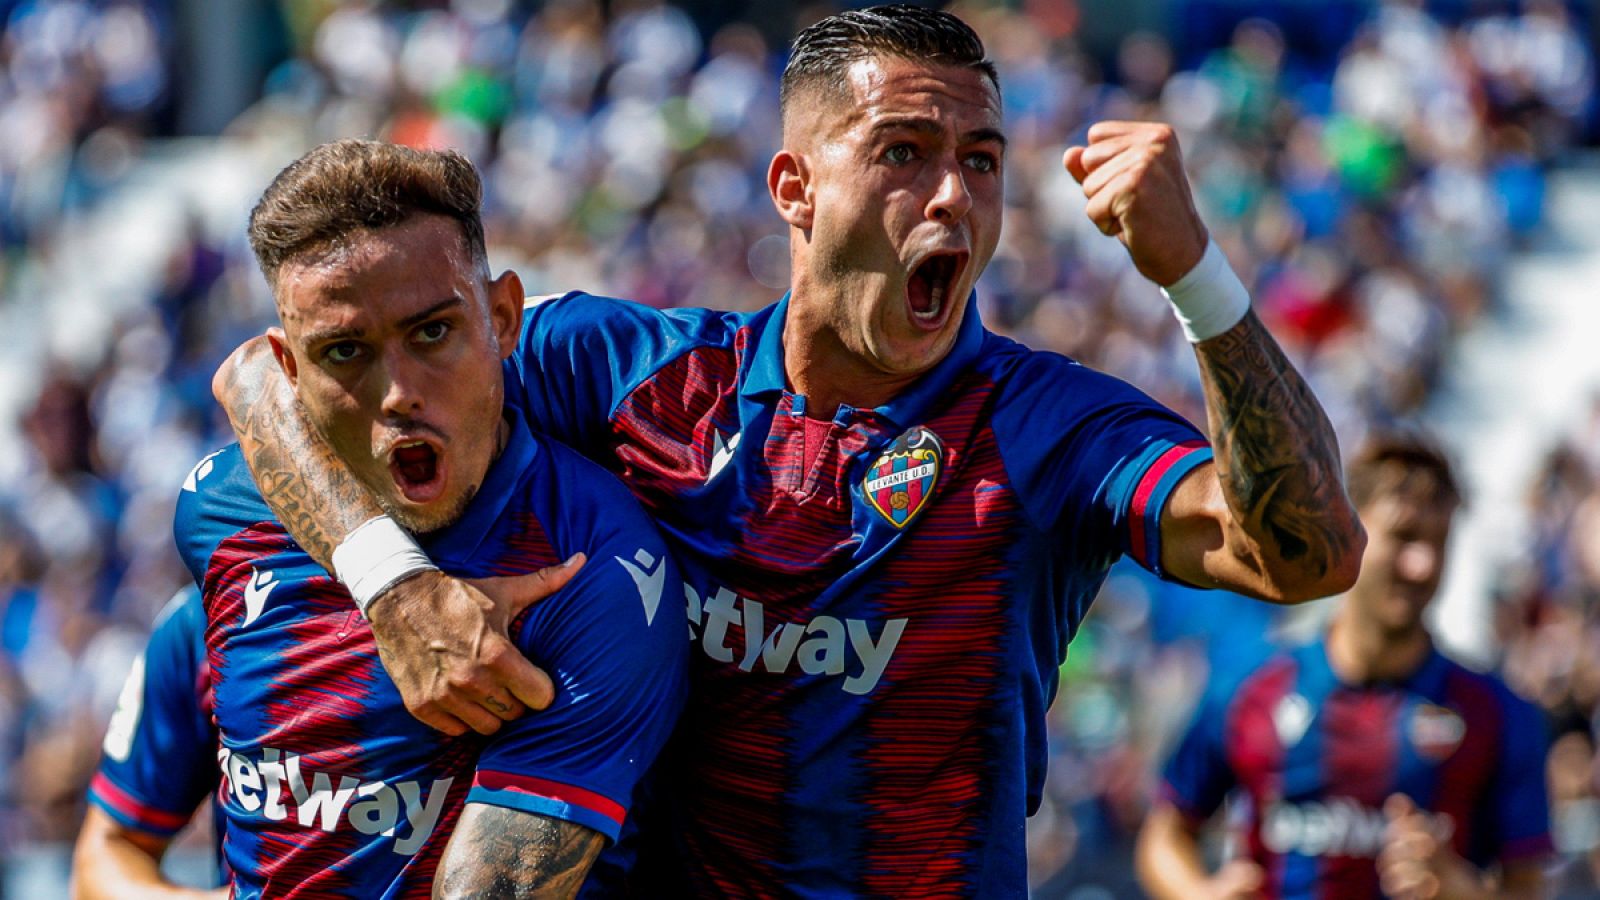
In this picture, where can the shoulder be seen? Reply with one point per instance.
(217, 500)
(1486, 693)
(1044, 382)
(579, 316)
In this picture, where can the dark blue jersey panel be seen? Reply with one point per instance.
(159, 762)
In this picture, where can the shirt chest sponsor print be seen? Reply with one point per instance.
(900, 482)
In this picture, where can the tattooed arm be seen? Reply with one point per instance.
(497, 852)
(443, 641)
(1269, 517)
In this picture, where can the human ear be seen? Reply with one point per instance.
(789, 183)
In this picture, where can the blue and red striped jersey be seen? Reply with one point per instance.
(878, 604)
(329, 787)
(1314, 759)
(158, 764)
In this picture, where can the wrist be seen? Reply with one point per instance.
(1210, 298)
(375, 557)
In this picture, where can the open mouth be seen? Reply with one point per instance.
(931, 286)
(417, 470)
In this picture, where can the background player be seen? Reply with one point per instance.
(871, 493)
(392, 337)
(1336, 744)
(159, 766)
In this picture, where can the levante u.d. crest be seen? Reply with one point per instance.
(899, 483)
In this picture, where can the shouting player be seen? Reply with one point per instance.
(393, 336)
(1368, 762)
(891, 520)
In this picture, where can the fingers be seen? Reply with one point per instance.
(434, 716)
(472, 714)
(1073, 161)
(518, 592)
(1398, 806)
(524, 685)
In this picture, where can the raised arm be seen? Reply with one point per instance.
(1269, 517)
(443, 641)
(498, 852)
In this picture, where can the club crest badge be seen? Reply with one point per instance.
(1436, 731)
(902, 479)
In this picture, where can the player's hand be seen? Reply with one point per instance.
(1238, 879)
(1132, 173)
(445, 644)
(1416, 862)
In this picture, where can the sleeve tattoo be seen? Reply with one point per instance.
(306, 485)
(497, 852)
(1276, 453)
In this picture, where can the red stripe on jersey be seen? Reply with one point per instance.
(931, 750)
(665, 433)
(1256, 754)
(551, 790)
(107, 791)
(1465, 777)
(1361, 749)
(1139, 508)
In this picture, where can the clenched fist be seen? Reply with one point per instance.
(1132, 173)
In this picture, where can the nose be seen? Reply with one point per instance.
(1417, 561)
(951, 200)
(402, 388)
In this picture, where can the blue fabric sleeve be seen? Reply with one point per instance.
(1093, 458)
(218, 499)
(580, 355)
(1521, 804)
(159, 761)
(613, 641)
(1198, 777)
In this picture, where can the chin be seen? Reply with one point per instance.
(435, 516)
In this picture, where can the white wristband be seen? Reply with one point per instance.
(375, 557)
(1210, 299)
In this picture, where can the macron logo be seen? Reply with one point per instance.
(649, 577)
(199, 472)
(255, 593)
(721, 452)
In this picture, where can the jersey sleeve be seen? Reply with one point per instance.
(613, 641)
(1520, 803)
(579, 356)
(1094, 458)
(159, 761)
(218, 499)
(1198, 777)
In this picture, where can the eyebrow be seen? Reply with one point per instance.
(929, 126)
(342, 334)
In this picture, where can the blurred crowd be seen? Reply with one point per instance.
(1368, 197)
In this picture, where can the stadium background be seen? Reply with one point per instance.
(1410, 188)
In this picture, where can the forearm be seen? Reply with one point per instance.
(309, 488)
(498, 852)
(111, 863)
(1167, 858)
(1278, 463)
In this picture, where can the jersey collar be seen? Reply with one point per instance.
(459, 543)
(764, 372)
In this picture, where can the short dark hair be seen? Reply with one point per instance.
(1421, 468)
(353, 185)
(823, 53)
